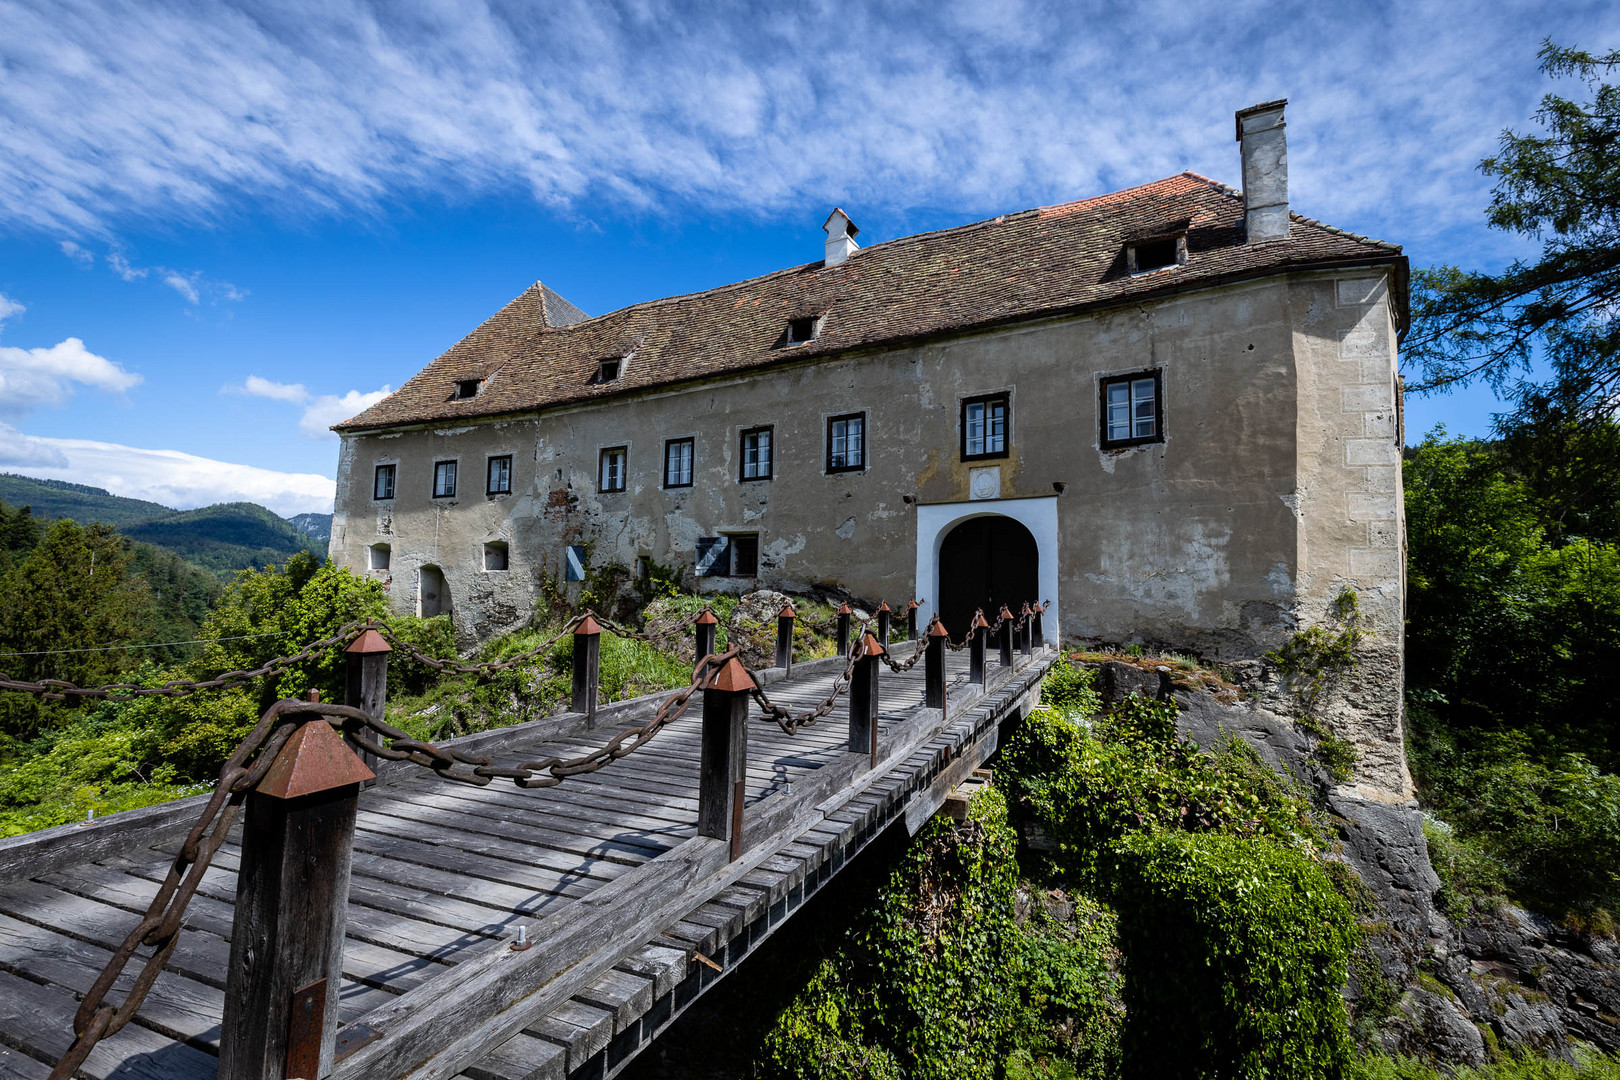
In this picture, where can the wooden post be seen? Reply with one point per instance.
(587, 665)
(911, 621)
(1040, 628)
(1006, 637)
(366, 684)
(885, 615)
(723, 768)
(1026, 635)
(292, 891)
(934, 665)
(977, 632)
(863, 700)
(705, 627)
(844, 614)
(784, 638)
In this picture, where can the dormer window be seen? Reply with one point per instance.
(801, 330)
(1156, 253)
(608, 370)
(466, 388)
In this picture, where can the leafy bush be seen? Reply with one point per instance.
(1069, 689)
(1378, 1067)
(1235, 957)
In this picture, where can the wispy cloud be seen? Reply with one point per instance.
(118, 110)
(121, 266)
(169, 477)
(320, 411)
(30, 378)
(77, 254)
(184, 284)
(8, 308)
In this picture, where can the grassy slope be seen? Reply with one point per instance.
(229, 536)
(51, 499)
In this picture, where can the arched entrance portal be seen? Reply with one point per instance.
(985, 562)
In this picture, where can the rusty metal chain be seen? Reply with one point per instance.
(58, 690)
(619, 631)
(485, 668)
(922, 647)
(790, 722)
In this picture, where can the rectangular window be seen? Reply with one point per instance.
(736, 555)
(985, 427)
(744, 555)
(846, 443)
(444, 480)
(610, 470)
(678, 455)
(1131, 412)
(756, 454)
(500, 475)
(382, 487)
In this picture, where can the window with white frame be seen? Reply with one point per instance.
(984, 427)
(444, 480)
(610, 470)
(382, 486)
(1132, 409)
(846, 443)
(678, 457)
(500, 475)
(755, 447)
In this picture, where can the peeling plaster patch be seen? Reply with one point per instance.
(1294, 501)
(882, 512)
(1280, 580)
(846, 530)
(391, 435)
(751, 516)
(454, 431)
(777, 549)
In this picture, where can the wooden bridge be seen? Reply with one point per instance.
(497, 933)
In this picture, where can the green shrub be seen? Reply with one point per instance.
(1068, 689)
(1235, 958)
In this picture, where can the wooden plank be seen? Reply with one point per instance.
(16, 1065)
(51, 849)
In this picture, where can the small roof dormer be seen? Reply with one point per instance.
(840, 237)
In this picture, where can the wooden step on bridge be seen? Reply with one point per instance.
(622, 907)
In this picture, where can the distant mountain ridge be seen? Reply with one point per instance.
(223, 538)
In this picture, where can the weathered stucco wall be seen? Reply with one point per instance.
(1275, 485)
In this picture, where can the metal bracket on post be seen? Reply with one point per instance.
(911, 620)
(934, 666)
(784, 638)
(723, 768)
(1006, 618)
(705, 626)
(884, 615)
(366, 683)
(863, 700)
(1026, 634)
(587, 666)
(292, 893)
(844, 614)
(978, 631)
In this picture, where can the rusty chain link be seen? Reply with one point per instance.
(922, 647)
(790, 722)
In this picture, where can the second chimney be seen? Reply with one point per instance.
(1261, 131)
(840, 237)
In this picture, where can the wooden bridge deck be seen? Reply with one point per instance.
(444, 873)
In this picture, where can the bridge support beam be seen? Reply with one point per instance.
(704, 628)
(934, 666)
(723, 768)
(1006, 636)
(977, 634)
(784, 638)
(292, 893)
(844, 614)
(863, 699)
(587, 666)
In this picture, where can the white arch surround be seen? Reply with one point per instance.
(1038, 515)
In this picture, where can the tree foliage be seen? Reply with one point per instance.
(1562, 186)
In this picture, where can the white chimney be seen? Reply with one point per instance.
(840, 237)
(1262, 133)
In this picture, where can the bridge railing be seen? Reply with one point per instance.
(299, 774)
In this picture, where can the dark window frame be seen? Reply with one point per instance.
(691, 465)
(1178, 252)
(624, 470)
(609, 369)
(809, 324)
(1005, 398)
(845, 418)
(742, 454)
(462, 393)
(731, 554)
(1104, 382)
(393, 480)
(489, 475)
(455, 471)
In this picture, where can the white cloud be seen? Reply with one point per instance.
(77, 253)
(121, 266)
(184, 284)
(9, 307)
(171, 477)
(328, 409)
(17, 449)
(30, 378)
(293, 393)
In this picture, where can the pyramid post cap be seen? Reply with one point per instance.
(912, 605)
(937, 629)
(845, 609)
(786, 612)
(588, 627)
(979, 621)
(369, 643)
(884, 606)
(315, 759)
(872, 646)
(1027, 610)
(1005, 614)
(706, 618)
(732, 677)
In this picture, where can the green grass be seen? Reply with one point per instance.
(1606, 1067)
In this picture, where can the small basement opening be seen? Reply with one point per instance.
(495, 555)
(380, 555)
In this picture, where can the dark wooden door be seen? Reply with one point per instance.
(986, 562)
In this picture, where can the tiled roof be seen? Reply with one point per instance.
(533, 354)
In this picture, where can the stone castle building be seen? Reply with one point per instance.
(1173, 411)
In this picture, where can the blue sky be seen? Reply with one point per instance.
(225, 226)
